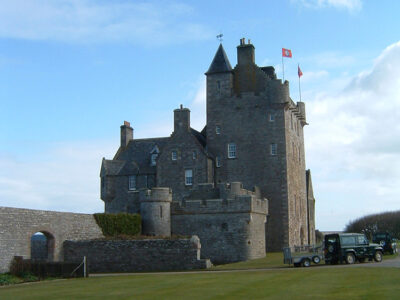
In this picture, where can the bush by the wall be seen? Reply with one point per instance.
(119, 224)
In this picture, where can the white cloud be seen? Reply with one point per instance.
(100, 21)
(198, 106)
(353, 143)
(65, 177)
(350, 5)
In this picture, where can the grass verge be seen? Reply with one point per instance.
(303, 283)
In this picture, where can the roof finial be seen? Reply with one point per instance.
(219, 37)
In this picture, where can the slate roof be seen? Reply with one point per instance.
(138, 151)
(199, 136)
(220, 62)
(111, 167)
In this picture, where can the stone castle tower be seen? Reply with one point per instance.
(254, 135)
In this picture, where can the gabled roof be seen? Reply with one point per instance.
(220, 62)
(111, 167)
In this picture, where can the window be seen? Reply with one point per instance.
(274, 149)
(194, 154)
(218, 86)
(153, 155)
(153, 159)
(231, 150)
(218, 161)
(132, 183)
(174, 155)
(217, 129)
(189, 177)
(161, 212)
(271, 117)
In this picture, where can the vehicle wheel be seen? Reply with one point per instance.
(316, 260)
(306, 262)
(361, 260)
(350, 259)
(378, 256)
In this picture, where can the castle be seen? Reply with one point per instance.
(253, 140)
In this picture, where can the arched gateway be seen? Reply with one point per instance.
(20, 228)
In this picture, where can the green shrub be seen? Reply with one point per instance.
(119, 224)
(7, 278)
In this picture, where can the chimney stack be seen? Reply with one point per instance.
(245, 53)
(181, 119)
(126, 133)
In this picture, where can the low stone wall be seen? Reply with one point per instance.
(17, 225)
(105, 256)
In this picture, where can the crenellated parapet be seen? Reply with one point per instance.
(226, 198)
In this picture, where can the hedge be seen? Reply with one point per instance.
(119, 224)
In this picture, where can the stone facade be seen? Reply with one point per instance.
(230, 224)
(253, 135)
(18, 225)
(137, 255)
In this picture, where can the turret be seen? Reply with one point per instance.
(155, 209)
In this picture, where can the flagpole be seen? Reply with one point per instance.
(283, 71)
(299, 89)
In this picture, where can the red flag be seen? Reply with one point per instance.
(299, 72)
(286, 53)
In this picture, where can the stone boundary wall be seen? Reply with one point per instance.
(17, 226)
(105, 256)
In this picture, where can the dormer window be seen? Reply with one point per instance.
(153, 155)
(194, 154)
(153, 159)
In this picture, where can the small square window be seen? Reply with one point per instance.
(217, 129)
(189, 177)
(194, 154)
(232, 150)
(271, 117)
(274, 149)
(132, 183)
(174, 155)
(218, 161)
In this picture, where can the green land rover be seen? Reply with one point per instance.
(349, 248)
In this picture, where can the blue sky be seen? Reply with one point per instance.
(72, 71)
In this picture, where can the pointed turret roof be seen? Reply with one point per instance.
(220, 62)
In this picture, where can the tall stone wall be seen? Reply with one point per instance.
(137, 255)
(230, 230)
(18, 225)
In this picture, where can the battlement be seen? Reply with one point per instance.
(226, 198)
(156, 194)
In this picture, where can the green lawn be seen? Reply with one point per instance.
(279, 283)
(272, 260)
(302, 283)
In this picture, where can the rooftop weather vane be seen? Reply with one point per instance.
(219, 37)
